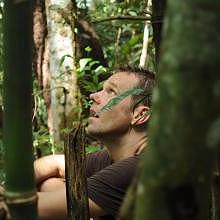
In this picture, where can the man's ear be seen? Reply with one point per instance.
(141, 115)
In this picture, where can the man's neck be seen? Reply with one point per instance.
(125, 146)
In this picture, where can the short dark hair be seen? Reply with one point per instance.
(147, 81)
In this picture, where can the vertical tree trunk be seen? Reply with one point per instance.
(60, 42)
(17, 132)
(143, 58)
(75, 170)
(175, 180)
(158, 11)
(39, 36)
(144, 52)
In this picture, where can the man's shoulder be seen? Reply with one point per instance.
(123, 169)
(97, 161)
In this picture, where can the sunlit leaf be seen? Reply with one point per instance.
(88, 49)
(83, 62)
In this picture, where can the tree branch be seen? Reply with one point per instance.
(126, 17)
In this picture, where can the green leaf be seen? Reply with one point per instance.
(88, 49)
(119, 98)
(100, 69)
(132, 13)
(91, 64)
(83, 62)
(90, 86)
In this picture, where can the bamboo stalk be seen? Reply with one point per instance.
(20, 193)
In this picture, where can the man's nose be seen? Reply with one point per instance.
(95, 97)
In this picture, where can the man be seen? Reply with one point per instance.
(122, 130)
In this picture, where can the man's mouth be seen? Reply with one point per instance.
(93, 113)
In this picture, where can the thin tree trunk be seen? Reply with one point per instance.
(176, 175)
(158, 11)
(144, 56)
(39, 35)
(75, 166)
(20, 193)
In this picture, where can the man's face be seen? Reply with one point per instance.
(115, 121)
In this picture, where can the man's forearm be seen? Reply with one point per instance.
(49, 166)
(52, 205)
(51, 184)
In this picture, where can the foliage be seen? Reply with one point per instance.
(42, 140)
(123, 42)
(91, 76)
(89, 73)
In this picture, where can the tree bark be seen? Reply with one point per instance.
(39, 35)
(75, 167)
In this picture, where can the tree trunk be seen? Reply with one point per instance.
(63, 106)
(175, 180)
(20, 193)
(75, 171)
(144, 55)
(158, 11)
(39, 35)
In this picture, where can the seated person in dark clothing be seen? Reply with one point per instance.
(122, 129)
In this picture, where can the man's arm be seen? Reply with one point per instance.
(48, 167)
(52, 206)
(50, 174)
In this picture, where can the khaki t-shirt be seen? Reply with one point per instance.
(108, 181)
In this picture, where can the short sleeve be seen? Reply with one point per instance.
(96, 162)
(107, 187)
